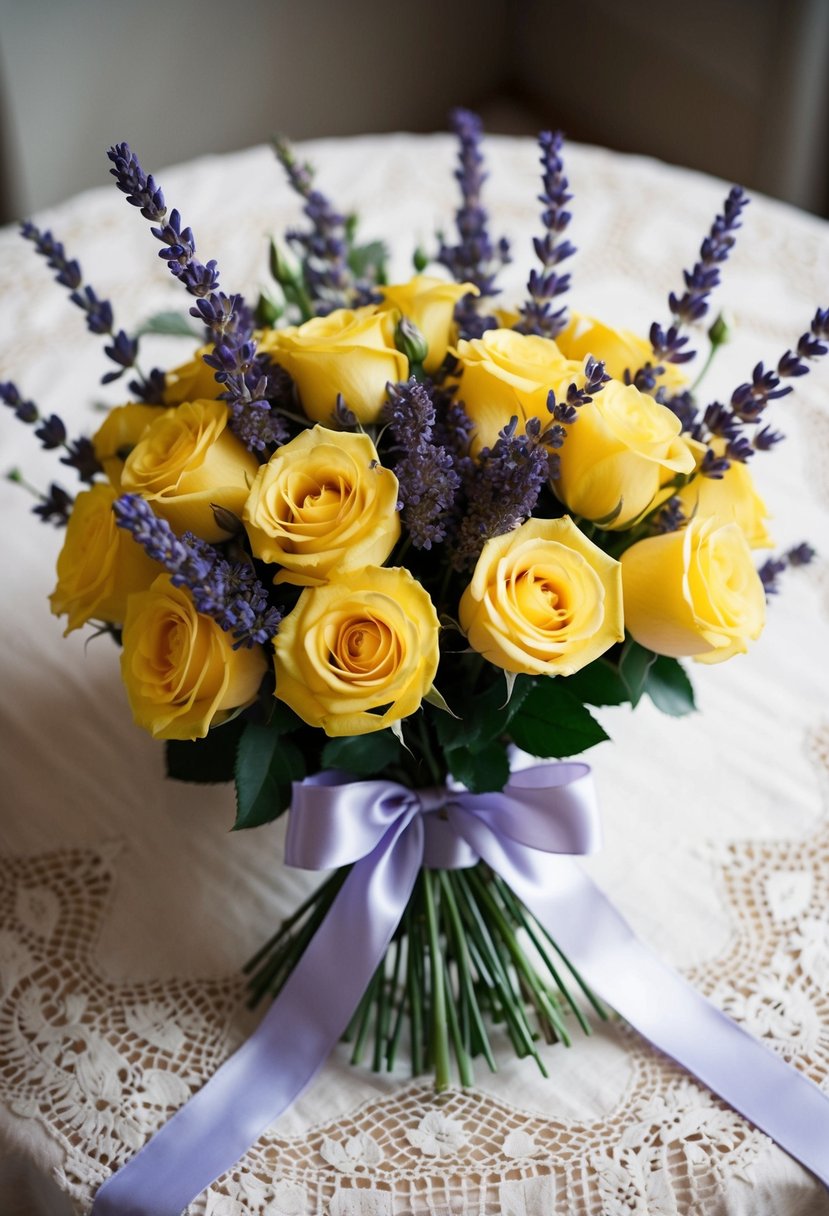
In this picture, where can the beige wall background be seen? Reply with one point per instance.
(738, 88)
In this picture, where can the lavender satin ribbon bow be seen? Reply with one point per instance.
(387, 832)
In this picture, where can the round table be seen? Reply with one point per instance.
(127, 907)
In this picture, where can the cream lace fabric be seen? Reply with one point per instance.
(126, 907)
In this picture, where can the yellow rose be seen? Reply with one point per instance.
(543, 600)
(619, 349)
(694, 592)
(193, 381)
(100, 564)
(118, 435)
(618, 454)
(187, 461)
(358, 654)
(322, 505)
(430, 303)
(181, 672)
(505, 375)
(732, 498)
(347, 352)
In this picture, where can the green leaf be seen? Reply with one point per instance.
(669, 688)
(634, 664)
(206, 761)
(364, 755)
(176, 324)
(362, 258)
(480, 771)
(485, 715)
(266, 764)
(553, 722)
(268, 310)
(599, 683)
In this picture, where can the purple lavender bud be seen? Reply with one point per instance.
(55, 507)
(501, 490)
(692, 304)
(474, 259)
(765, 439)
(670, 518)
(739, 449)
(720, 421)
(231, 594)
(543, 287)
(714, 466)
(770, 572)
(51, 432)
(141, 191)
(99, 316)
(81, 457)
(801, 555)
(26, 411)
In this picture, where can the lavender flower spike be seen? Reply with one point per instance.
(123, 350)
(323, 250)
(474, 259)
(426, 473)
(228, 318)
(52, 433)
(231, 594)
(543, 287)
(692, 305)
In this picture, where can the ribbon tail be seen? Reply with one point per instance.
(659, 1003)
(261, 1080)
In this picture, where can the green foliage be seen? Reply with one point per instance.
(480, 769)
(206, 761)
(266, 764)
(553, 722)
(669, 688)
(599, 683)
(634, 664)
(174, 324)
(474, 746)
(485, 716)
(368, 261)
(363, 755)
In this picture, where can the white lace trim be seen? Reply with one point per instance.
(103, 1065)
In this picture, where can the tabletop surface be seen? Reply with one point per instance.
(127, 907)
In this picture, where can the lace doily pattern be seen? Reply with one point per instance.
(102, 1066)
(668, 1146)
(97, 1063)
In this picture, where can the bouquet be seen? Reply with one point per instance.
(376, 550)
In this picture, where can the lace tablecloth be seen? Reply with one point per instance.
(126, 907)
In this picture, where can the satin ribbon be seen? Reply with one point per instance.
(386, 832)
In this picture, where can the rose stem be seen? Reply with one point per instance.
(519, 913)
(464, 968)
(439, 1037)
(520, 961)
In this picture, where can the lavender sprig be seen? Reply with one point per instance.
(692, 304)
(229, 593)
(546, 285)
(503, 488)
(54, 507)
(426, 473)
(228, 318)
(123, 350)
(474, 259)
(748, 402)
(773, 567)
(750, 399)
(52, 433)
(323, 250)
